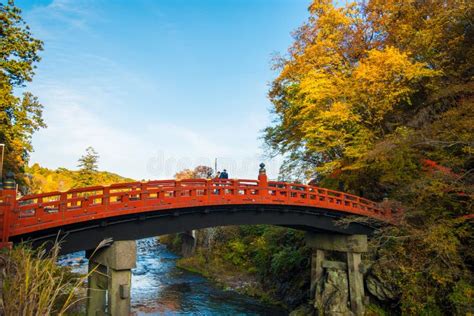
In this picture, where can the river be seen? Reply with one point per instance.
(161, 288)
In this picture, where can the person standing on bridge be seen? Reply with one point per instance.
(224, 175)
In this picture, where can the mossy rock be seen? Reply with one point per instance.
(303, 310)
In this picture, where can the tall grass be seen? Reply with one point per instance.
(34, 284)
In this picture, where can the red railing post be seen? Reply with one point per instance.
(106, 198)
(235, 187)
(177, 189)
(7, 207)
(262, 181)
(208, 189)
(63, 205)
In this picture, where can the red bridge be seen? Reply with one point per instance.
(85, 216)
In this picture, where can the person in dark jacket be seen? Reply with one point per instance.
(224, 175)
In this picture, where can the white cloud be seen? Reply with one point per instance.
(155, 150)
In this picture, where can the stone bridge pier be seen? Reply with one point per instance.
(110, 279)
(188, 242)
(337, 284)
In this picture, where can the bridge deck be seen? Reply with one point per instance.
(39, 212)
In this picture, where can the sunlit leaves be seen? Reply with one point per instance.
(200, 172)
(42, 179)
(375, 62)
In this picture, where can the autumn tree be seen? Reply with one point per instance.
(41, 180)
(378, 96)
(21, 114)
(184, 174)
(203, 172)
(200, 172)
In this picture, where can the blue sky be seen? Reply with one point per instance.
(156, 86)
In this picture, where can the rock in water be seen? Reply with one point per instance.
(303, 310)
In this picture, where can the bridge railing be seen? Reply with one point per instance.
(41, 211)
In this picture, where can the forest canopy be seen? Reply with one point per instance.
(362, 74)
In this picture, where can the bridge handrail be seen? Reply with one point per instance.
(178, 184)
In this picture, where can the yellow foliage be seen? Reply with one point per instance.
(353, 69)
(341, 111)
(46, 180)
(384, 79)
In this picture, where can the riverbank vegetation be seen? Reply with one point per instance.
(271, 263)
(32, 283)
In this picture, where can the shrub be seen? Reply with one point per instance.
(34, 284)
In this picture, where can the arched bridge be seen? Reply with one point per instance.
(136, 210)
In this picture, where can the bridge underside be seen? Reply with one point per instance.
(86, 236)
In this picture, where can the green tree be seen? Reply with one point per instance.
(88, 164)
(89, 161)
(20, 116)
